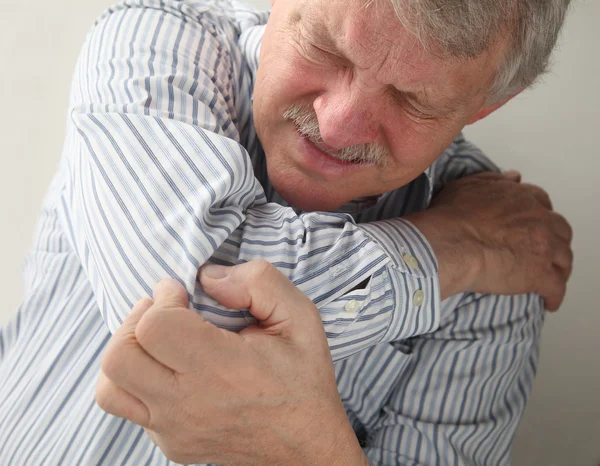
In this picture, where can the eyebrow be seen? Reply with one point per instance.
(318, 29)
(421, 97)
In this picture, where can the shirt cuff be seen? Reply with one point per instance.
(413, 273)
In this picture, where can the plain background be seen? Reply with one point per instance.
(550, 133)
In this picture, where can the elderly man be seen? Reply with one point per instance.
(325, 141)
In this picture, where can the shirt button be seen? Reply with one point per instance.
(352, 306)
(410, 261)
(418, 298)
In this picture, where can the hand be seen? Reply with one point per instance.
(493, 234)
(265, 396)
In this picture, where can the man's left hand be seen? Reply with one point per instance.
(205, 395)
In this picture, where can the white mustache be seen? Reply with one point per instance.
(307, 124)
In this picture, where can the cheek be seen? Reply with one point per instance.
(279, 84)
(289, 81)
(415, 146)
(284, 76)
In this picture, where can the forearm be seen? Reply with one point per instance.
(458, 263)
(338, 447)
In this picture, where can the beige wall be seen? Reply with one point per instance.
(550, 133)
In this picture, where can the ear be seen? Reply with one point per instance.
(485, 111)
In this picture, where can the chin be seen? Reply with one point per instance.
(306, 200)
(304, 193)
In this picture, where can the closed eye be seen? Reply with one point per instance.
(418, 113)
(331, 57)
(401, 99)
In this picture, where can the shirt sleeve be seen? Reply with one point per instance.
(455, 396)
(462, 158)
(157, 183)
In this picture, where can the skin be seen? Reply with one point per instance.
(369, 82)
(266, 391)
(493, 234)
(267, 395)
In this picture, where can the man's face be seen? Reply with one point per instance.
(338, 80)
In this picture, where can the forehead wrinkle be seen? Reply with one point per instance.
(393, 54)
(385, 57)
(373, 46)
(393, 59)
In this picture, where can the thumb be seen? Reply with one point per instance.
(259, 287)
(169, 293)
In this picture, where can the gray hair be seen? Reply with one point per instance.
(466, 28)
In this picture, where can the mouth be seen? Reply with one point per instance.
(321, 160)
(336, 154)
(329, 151)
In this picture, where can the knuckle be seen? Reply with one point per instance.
(148, 328)
(541, 241)
(111, 361)
(144, 303)
(104, 397)
(164, 283)
(545, 197)
(566, 226)
(543, 193)
(561, 219)
(569, 230)
(540, 194)
(260, 268)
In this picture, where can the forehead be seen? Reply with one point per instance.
(371, 36)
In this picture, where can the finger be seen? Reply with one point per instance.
(541, 195)
(137, 311)
(563, 260)
(181, 340)
(126, 363)
(554, 291)
(561, 226)
(127, 328)
(169, 293)
(263, 290)
(171, 333)
(116, 401)
(513, 175)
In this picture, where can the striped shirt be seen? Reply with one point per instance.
(161, 172)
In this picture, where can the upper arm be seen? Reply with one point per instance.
(173, 62)
(156, 179)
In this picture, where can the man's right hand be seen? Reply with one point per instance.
(493, 234)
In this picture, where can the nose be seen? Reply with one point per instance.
(346, 118)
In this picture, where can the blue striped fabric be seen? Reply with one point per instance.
(161, 172)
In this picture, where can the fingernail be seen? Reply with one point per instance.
(215, 271)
